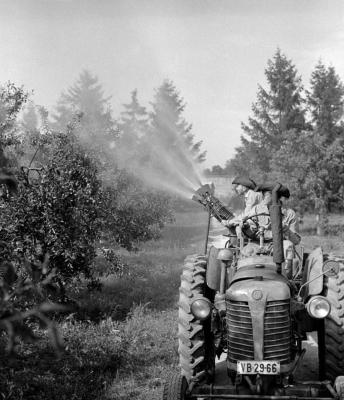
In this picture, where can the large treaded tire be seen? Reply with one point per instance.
(196, 343)
(175, 388)
(333, 328)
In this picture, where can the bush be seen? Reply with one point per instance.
(56, 210)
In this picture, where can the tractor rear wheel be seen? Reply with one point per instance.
(176, 388)
(331, 333)
(196, 341)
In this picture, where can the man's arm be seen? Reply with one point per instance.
(252, 199)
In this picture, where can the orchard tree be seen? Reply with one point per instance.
(56, 212)
(12, 99)
(133, 213)
(20, 299)
(278, 109)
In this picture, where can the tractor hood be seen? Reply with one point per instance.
(263, 287)
(258, 269)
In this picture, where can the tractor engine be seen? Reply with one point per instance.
(258, 321)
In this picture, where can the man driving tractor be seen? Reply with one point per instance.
(289, 219)
(258, 215)
(245, 187)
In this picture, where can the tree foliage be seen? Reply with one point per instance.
(12, 98)
(297, 137)
(132, 212)
(56, 210)
(277, 110)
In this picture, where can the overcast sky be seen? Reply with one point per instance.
(215, 51)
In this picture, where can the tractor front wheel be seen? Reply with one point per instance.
(196, 341)
(176, 388)
(331, 332)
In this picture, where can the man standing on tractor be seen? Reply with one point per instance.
(245, 187)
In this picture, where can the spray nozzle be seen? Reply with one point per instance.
(204, 193)
(205, 196)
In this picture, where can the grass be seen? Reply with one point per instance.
(150, 269)
(108, 360)
(121, 343)
(332, 242)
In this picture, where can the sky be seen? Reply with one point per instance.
(214, 51)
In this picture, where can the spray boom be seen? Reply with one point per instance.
(205, 196)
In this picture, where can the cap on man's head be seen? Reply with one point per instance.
(244, 181)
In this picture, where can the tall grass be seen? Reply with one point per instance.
(121, 341)
(108, 360)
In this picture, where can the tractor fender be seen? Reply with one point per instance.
(213, 275)
(314, 268)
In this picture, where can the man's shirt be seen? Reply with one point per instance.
(289, 219)
(252, 199)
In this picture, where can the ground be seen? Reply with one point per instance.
(115, 355)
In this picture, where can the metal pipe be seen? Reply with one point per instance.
(275, 211)
(208, 229)
(223, 278)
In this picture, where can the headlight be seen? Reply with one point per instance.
(318, 307)
(331, 268)
(201, 308)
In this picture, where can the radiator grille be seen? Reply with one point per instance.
(277, 331)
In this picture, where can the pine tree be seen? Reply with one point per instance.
(278, 109)
(169, 127)
(132, 125)
(325, 101)
(85, 100)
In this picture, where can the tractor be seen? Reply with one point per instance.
(244, 315)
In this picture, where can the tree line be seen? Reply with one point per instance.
(296, 136)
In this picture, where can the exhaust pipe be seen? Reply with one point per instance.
(275, 211)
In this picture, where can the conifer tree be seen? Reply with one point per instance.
(325, 101)
(132, 125)
(278, 109)
(169, 127)
(311, 162)
(85, 100)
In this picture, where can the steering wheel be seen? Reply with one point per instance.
(245, 219)
(247, 231)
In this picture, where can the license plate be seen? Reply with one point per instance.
(258, 367)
